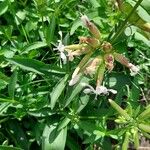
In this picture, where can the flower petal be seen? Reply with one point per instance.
(87, 91)
(112, 91)
(134, 69)
(74, 80)
(63, 57)
(101, 90)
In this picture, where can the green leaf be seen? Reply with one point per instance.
(146, 5)
(50, 30)
(72, 143)
(94, 3)
(35, 66)
(33, 46)
(139, 15)
(3, 7)
(88, 126)
(9, 148)
(58, 89)
(12, 84)
(75, 91)
(82, 102)
(63, 123)
(76, 24)
(58, 143)
(138, 36)
(3, 84)
(18, 134)
(4, 77)
(4, 107)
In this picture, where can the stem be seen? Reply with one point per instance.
(122, 27)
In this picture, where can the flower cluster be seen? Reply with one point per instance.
(93, 66)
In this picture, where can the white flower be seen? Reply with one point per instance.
(134, 69)
(74, 80)
(61, 49)
(98, 91)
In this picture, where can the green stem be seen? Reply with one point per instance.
(123, 26)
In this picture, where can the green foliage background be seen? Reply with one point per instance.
(38, 110)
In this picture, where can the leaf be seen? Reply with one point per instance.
(35, 66)
(4, 107)
(57, 91)
(94, 3)
(139, 18)
(12, 84)
(33, 46)
(3, 84)
(2, 147)
(88, 126)
(138, 36)
(63, 123)
(18, 134)
(4, 77)
(58, 143)
(146, 5)
(50, 30)
(72, 143)
(75, 91)
(3, 7)
(117, 80)
(82, 102)
(76, 24)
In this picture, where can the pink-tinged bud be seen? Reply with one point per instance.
(122, 59)
(83, 50)
(92, 66)
(109, 61)
(93, 42)
(106, 46)
(93, 29)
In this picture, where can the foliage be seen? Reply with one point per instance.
(38, 108)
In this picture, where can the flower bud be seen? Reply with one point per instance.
(83, 50)
(122, 59)
(136, 138)
(119, 109)
(145, 114)
(92, 66)
(93, 29)
(126, 141)
(74, 46)
(109, 61)
(144, 127)
(106, 46)
(90, 41)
